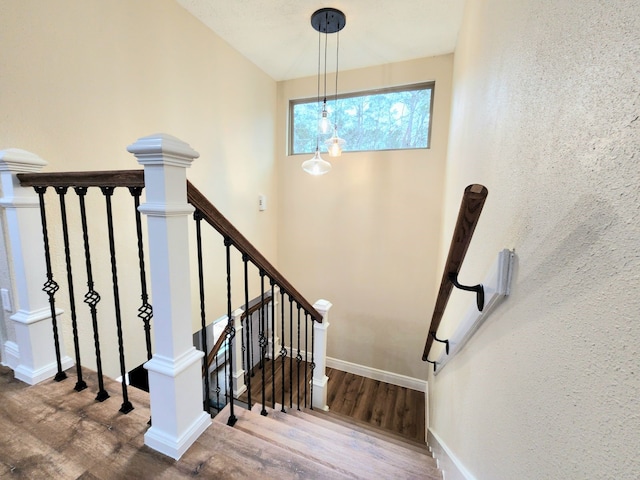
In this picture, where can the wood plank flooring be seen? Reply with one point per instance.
(51, 431)
(396, 409)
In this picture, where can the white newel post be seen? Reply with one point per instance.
(175, 371)
(238, 355)
(320, 355)
(32, 355)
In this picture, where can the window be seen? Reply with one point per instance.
(389, 119)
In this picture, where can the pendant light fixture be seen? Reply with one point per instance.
(325, 21)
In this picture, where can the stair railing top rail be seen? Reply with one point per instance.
(472, 202)
(213, 217)
(135, 178)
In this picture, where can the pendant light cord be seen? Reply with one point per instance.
(337, 53)
(319, 114)
(326, 25)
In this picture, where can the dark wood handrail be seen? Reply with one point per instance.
(112, 178)
(223, 335)
(214, 218)
(470, 209)
(135, 178)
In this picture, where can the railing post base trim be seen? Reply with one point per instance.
(175, 446)
(320, 390)
(177, 416)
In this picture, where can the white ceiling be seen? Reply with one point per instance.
(278, 37)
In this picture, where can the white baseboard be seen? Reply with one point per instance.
(11, 357)
(448, 463)
(380, 375)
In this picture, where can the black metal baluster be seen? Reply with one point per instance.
(313, 364)
(291, 350)
(298, 359)
(273, 345)
(283, 348)
(145, 312)
(232, 418)
(108, 193)
(263, 342)
(197, 216)
(249, 365)
(218, 379)
(91, 298)
(306, 349)
(50, 286)
(80, 383)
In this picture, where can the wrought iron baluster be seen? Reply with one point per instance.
(283, 348)
(273, 345)
(91, 298)
(313, 364)
(50, 286)
(245, 260)
(108, 193)
(145, 312)
(263, 342)
(291, 350)
(218, 380)
(231, 332)
(298, 359)
(197, 216)
(80, 383)
(306, 359)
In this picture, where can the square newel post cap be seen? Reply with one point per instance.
(163, 149)
(323, 306)
(16, 160)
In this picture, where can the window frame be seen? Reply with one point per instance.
(430, 85)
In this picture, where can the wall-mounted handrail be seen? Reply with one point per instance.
(472, 202)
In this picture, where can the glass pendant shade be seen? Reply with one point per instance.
(334, 144)
(316, 165)
(324, 126)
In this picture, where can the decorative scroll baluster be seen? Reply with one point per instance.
(283, 348)
(313, 365)
(273, 345)
(197, 216)
(92, 297)
(108, 193)
(306, 360)
(291, 350)
(263, 341)
(231, 333)
(145, 312)
(298, 359)
(80, 383)
(50, 286)
(245, 260)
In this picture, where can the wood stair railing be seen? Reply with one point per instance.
(472, 202)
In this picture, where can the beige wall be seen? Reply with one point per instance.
(81, 80)
(366, 235)
(546, 100)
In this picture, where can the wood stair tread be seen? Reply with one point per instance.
(367, 428)
(399, 454)
(357, 457)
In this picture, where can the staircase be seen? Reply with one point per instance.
(330, 446)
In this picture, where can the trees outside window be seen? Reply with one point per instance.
(390, 119)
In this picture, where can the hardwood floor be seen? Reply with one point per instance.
(396, 409)
(51, 431)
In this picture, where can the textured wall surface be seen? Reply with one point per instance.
(546, 106)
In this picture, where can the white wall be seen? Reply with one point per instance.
(366, 235)
(546, 98)
(81, 80)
